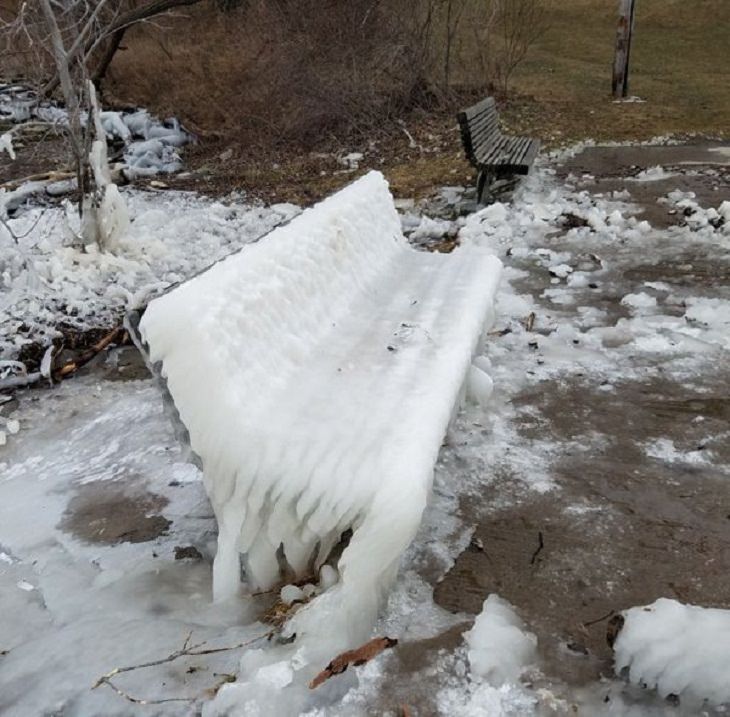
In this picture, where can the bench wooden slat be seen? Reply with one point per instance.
(518, 152)
(495, 152)
(482, 127)
(486, 105)
(487, 142)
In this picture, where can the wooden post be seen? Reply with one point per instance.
(623, 48)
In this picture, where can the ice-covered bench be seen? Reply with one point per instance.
(317, 372)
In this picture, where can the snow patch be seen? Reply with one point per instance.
(500, 648)
(677, 649)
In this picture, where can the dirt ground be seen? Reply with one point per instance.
(650, 528)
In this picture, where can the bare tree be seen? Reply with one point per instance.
(64, 45)
(519, 24)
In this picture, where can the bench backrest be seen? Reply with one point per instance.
(479, 128)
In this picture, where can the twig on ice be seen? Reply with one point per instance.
(599, 619)
(187, 650)
(540, 546)
(530, 321)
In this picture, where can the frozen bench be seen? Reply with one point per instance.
(494, 155)
(317, 371)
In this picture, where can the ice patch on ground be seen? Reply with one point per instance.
(652, 174)
(663, 449)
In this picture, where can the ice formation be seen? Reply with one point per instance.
(677, 649)
(150, 146)
(105, 218)
(500, 648)
(6, 144)
(316, 372)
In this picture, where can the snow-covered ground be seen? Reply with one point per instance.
(95, 494)
(172, 236)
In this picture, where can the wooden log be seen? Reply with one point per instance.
(620, 85)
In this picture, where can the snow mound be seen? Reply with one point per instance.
(317, 372)
(677, 649)
(500, 648)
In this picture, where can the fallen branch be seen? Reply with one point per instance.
(68, 369)
(71, 367)
(358, 656)
(50, 176)
(187, 650)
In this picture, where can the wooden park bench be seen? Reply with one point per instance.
(316, 372)
(496, 156)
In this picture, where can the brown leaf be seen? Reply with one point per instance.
(358, 656)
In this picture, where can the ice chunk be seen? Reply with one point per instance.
(560, 270)
(677, 649)
(327, 576)
(640, 300)
(290, 593)
(494, 214)
(500, 649)
(6, 144)
(105, 217)
(652, 174)
(724, 211)
(114, 126)
(316, 372)
(479, 385)
(278, 675)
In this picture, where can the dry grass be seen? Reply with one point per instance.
(680, 66)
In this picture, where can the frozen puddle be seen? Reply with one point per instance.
(94, 503)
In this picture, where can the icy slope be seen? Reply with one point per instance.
(317, 372)
(678, 649)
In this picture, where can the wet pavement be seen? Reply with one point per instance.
(642, 506)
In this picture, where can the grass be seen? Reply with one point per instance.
(680, 66)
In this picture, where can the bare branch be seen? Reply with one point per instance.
(187, 650)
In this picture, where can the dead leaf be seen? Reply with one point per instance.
(358, 656)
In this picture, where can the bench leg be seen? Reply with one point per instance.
(481, 182)
(484, 181)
